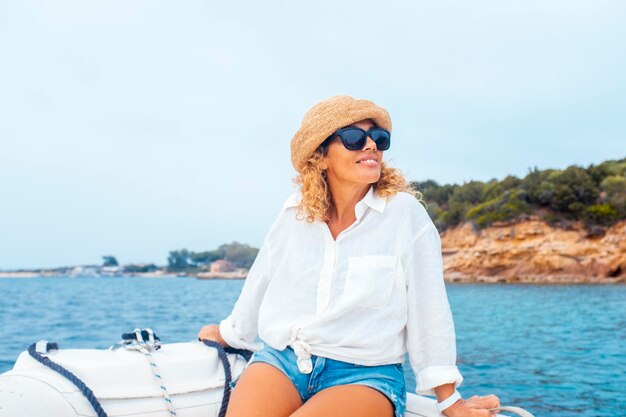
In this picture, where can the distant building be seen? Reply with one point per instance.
(78, 271)
(222, 265)
(111, 270)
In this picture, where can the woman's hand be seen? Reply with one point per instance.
(474, 406)
(212, 332)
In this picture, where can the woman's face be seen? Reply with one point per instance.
(358, 167)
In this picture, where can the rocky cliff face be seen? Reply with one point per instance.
(534, 252)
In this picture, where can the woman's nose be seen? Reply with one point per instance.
(369, 144)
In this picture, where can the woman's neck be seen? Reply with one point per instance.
(345, 196)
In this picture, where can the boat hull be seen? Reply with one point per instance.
(124, 384)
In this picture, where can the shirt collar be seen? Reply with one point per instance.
(293, 200)
(375, 201)
(371, 199)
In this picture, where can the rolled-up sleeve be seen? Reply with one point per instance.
(431, 340)
(240, 328)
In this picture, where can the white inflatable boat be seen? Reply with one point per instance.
(135, 380)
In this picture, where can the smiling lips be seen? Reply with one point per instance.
(368, 160)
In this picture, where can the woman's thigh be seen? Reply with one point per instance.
(263, 390)
(347, 400)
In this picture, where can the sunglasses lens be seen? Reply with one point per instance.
(382, 139)
(353, 139)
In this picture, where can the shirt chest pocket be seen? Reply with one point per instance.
(369, 281)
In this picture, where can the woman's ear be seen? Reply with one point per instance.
(322, 163)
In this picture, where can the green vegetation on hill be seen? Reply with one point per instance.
(596, 195)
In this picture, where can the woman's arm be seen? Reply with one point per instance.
(431, 340)
(239, 329)
(444, 391)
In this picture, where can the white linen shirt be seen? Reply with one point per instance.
(368, 297)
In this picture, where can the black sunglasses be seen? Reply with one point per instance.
(354, 138)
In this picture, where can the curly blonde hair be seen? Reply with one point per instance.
(316, 197)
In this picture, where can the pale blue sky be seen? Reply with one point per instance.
(136, 127)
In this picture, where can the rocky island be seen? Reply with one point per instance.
(532, 251)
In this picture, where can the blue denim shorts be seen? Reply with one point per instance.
(388, 379)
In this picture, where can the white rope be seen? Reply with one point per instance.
(146, 347)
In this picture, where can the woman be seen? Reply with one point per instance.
(348, 279)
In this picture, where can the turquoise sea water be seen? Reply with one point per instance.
(554, 350)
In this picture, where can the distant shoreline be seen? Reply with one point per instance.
(9, 274)
(450, 278)
(454, 277)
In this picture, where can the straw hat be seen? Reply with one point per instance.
(327, 116)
